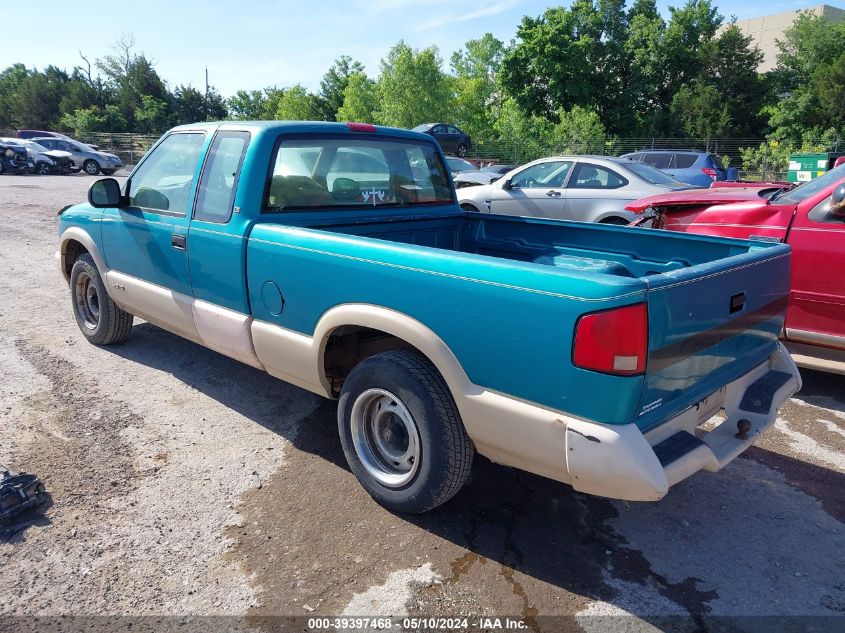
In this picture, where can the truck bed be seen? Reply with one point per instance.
(496, 286)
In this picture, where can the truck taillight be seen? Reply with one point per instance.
(711, 172)
(613, 341)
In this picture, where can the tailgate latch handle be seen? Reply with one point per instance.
(737, 302)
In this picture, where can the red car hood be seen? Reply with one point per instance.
(701, 198)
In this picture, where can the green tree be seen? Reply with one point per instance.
(700, 110)
(579, 130)
(412, 87)
(477, 97)
(154, 116)
(334, 82)
(297, 104)
(191, 105)
(644, 52)
(360, 100)
(731, 66)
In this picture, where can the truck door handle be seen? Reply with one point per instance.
(553, 194)
(178, 242)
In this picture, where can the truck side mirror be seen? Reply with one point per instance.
(837, 200)
(104, 193)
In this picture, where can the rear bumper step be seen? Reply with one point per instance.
(620, 462)
(675, 447)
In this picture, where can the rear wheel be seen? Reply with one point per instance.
(401, 432)
(99, 318)
(461, 150)
(91, 167)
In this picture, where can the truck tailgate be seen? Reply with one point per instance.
(709, 324)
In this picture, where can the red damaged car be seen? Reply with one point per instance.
(810, 217)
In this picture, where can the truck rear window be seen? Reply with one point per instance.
(342, 173)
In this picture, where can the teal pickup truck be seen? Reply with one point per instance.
(335, 257)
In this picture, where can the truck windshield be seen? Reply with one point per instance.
(333, 173)
(809, 189)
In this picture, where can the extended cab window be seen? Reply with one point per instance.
(219, 179)
(332, 173)
(163, 181)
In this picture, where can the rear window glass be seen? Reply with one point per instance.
(336, 173)
(717, 162)
(685, 161)
(650, 174)
(659, 161)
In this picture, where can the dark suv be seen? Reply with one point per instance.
(689, 166)
(453, 140)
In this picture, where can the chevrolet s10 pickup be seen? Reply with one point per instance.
(336, 257)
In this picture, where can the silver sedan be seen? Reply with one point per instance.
(583, 188)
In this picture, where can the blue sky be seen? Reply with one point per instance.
(251, 44)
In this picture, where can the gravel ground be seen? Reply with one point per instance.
(186, 484)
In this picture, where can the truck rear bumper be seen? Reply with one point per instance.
(623, 463)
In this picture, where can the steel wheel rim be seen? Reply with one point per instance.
(87, 301)
(43, 169)
(385, 437)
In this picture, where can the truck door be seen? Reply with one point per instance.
(144, 242)
(817, 300)
(216, 249)
(537, 191)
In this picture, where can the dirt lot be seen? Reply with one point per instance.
(184, 483)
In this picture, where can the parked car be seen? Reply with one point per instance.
(810, 219)
(31, 134)
(584, 188)
(690, 166)
(91, 161)
(483, 176)
(452, 139)
(45, 161)
(14, 159)
(413, 313)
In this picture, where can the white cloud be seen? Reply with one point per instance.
(451, 18)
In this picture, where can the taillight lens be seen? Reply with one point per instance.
(613, 341)
(711, 172)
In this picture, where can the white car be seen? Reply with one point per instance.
(584, 188)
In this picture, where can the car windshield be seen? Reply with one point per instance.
(425, 127)
(459, 164)
(809, 189)
(650, 174)
(337, 173)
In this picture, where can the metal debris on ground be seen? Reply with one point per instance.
(18, 493)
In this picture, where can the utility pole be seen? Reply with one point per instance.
(206, 82)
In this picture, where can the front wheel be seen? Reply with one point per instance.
(461, 150)
(42, 169)
(91, 167)
(401, 432)
(99, 318)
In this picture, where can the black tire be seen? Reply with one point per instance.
(99, 318)
(107, 172)
(91, 167)
(445, 451)
(461, 150)
(43, 169)
(466, 206)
